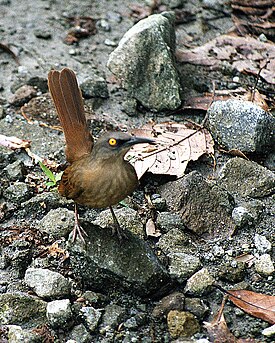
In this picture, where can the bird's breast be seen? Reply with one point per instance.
(100, 184)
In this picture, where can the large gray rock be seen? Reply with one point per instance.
(241, 125)
(205, 208)
(144, 62)
(105, 263)
(245, 178)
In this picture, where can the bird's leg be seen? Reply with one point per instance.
(78, 230)
(116, 229)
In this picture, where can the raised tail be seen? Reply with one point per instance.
(68, 102)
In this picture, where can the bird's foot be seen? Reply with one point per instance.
(119, 232)
(116, 228)
(78, 230)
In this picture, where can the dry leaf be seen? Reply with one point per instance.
(244, 53)
(14, 142)
(151, 229)
(218, 330)
(258, 305)
(176, 145)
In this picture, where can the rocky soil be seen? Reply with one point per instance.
(215, 225)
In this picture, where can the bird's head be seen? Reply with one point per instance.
(116, 144)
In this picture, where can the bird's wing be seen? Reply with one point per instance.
(68, 102)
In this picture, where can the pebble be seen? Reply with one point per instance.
(173, 301)
(91, 317)
(59, 313)
(264, 265)
(199, 283)
(262, 244)
(182, 324)
(47, 284)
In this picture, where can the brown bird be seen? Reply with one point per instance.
(97, 175)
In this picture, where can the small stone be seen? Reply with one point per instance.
(168, 220)
(199, 283)
(91, 317)
(269, 332)
(17, 334)
(113, 315)
(15, 171)
(42, 33)
(246, 178)
(173, 301)
(196, 306)
(23, 95)
(110, 42)
(130, 107)
(95, 87)
(104, 25)
(57, 223)
(18, 192)
(59, 313)
(94, 298)
(128, 218)
(182, 324)
(172, 241)
(46, 283)
(205, 208)
(241, 216)
(264, 265)
(182, 266)
(241, 125)
(79, 334)
(262, 244)
(28, 310)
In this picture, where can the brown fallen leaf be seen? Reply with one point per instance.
(244, 54)
(257, 304)
(219, 332)
(176, 145)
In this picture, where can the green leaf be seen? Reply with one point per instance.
(48, 173)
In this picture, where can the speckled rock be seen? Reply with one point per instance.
(18, 192)
(94, 87)
(47, 284)
(59, 313)
(91, 317)
(106, 263)
(196, 306)
(262, 244)
(182, 324)
(112, 316)
(205, 208)
(168, 220)
(264, 265)
(127, 217)
(241, 125)
(15, 171)
(246, 178)
(17, 335)
(79, 334)
(173, 241)
(144, 62)
(182, 266)
(57, 223)
(28, 312)
(199, 283)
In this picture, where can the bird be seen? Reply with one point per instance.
(97, 174)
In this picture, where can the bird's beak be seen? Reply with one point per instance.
(138, 140)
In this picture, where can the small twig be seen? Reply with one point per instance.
(257, 80)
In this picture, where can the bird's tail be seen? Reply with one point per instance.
(68, 102)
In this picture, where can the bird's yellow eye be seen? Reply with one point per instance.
(112, 141)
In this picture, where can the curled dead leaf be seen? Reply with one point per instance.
(176, 145)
